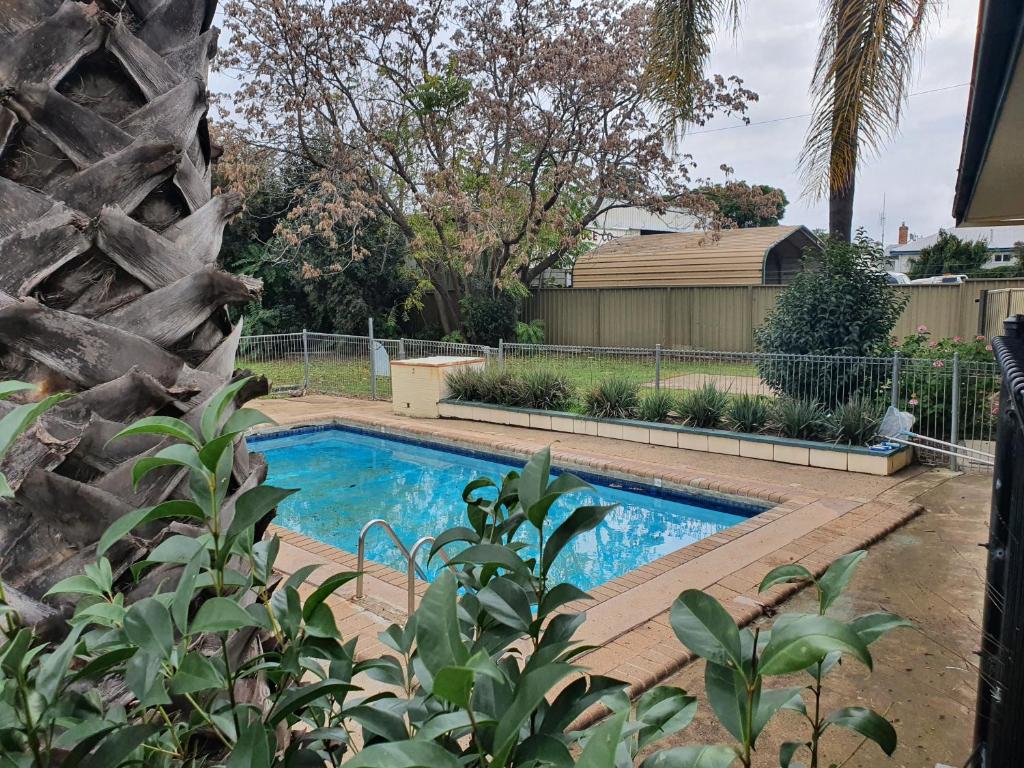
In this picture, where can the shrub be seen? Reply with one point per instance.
(704, 407)
(530, 333)
(613, 398)
(487, 319)
(749, 413)
(840, 304)
(800, 418)
(547, 390)
(926, 388)
(465, 384)
(499, 387)
(657, 406)
(855, 421)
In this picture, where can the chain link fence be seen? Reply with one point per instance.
(952, 400)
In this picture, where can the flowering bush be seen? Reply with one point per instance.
(926, 388)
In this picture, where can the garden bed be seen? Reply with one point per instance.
(881, 461)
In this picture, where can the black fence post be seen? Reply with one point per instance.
(998, 731)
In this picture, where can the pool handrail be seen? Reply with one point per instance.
(413, 569)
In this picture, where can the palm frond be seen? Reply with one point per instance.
(681, 36)
(863, 69)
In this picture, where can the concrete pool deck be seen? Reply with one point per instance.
(817, 515)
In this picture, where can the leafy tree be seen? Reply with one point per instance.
(866, 53)
(491, 134)
(748, 205)
(327, 281)
(950, 254)
(841, 305)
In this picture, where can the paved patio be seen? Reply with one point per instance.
(818, 514)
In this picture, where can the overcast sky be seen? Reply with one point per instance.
(916, 171)
(774, 54)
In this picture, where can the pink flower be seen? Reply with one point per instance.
(939, 364)
(958, 339)
(933, 344)
(995, 409)
(922, 329)
(979, 337)
(913, 401)
(988, 347)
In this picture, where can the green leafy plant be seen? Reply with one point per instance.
(741, 662)
(855, 421)
(839, 308)
(20, 418)
(547, 390)
(657, 406)
(704, 407)
(927, 389)
(531, 332)
(749, 413)
(613, 398)
(464, 384)
(800, 418)
(500, 387)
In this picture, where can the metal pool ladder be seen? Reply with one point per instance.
(412, 568)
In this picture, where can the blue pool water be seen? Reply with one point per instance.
(348, 478)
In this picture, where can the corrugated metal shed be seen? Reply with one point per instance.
(752, 256)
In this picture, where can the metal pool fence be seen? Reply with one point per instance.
(952, 400)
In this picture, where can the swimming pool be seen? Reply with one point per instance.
(348, 477)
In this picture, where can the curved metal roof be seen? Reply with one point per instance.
(736, 257)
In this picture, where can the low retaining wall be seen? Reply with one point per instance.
(765, 447)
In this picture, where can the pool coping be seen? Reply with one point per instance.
(628, 620)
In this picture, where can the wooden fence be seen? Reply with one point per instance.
(724, 317)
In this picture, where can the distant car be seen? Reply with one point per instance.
(941, 280)
(897, 278)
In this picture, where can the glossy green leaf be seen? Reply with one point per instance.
(252, 750)
(784, 574)
(185, 591)
(404, 754)
(75, 585)
(872, 626)
(534, 480)
(54, 666)
(770, 701)
(704, 626)
(714, 756)
(296, 698)
(788, 751)
(196, 673)
(148, 624)
(177, 549)
(21, 417)
(161, 425)
(126, 523)
(581, 520)
(558, 596)
(379, 721)
(330, 585)
(221, 614)
(178, 455)
(603, 743)
(213, 411)
(663, 711)
(726, 689)
(834, 580)
(807, 640)
(118, 745)
(492, 554)
(507, 601)
(12, 386)
(448, 722)
(253, 505)
(437, 627)
(245, 419)
(868, 724)
(531, 690)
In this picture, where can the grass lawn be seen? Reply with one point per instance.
(352, 377)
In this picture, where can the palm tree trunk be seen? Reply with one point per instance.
(840, 210)
(109, 286)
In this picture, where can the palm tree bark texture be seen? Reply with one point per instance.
(109, 286)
